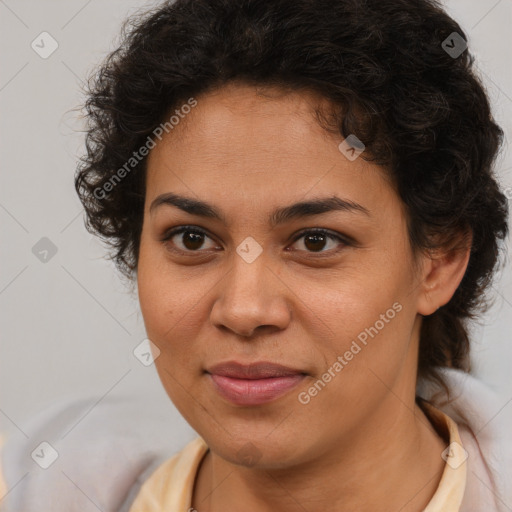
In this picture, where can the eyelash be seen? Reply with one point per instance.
(168, 235)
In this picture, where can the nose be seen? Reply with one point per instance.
(251, 296)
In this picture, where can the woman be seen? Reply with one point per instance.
(304, 194)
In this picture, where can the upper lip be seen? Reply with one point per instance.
(259, 370)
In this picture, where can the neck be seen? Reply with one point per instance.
(392, 463)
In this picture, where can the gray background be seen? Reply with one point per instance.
(69, 325)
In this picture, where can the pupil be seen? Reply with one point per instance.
(193, 239)
(316, 237)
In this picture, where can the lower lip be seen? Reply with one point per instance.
(254, 391)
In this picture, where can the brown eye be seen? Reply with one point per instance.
(316, 240)
(187, 239)
(192, 241)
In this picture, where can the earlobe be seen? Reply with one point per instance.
(442, 275)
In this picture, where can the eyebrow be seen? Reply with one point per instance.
(278, 216)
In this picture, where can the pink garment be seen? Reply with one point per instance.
(484, 420)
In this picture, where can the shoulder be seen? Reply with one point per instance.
(171, 484)
(85, 451)
(484, 422)
(3, 485)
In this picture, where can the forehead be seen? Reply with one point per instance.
(237, 118)
(259, 144)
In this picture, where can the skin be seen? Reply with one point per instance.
(361, 443)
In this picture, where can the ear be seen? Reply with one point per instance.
(442, 272)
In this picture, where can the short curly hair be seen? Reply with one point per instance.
(420, 110)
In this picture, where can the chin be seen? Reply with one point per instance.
(258, 451)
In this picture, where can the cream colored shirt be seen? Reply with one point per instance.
(171, 486)
(3, 485)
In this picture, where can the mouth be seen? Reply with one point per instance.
(253, 384)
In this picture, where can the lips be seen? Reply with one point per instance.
(253, 384)
(261, 370)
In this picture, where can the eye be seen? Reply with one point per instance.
(315, 240)
(193, 240)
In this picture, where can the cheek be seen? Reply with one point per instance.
(161, 295)
(166, 309)
(170, 304)
(371, 334)
(370, 329)
(158, 306)
(349, 302)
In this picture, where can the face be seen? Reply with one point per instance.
(337, 307)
